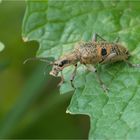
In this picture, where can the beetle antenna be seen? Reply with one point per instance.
(42, 59)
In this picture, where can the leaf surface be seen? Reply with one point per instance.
(58, 25)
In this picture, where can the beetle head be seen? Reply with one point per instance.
(58, 66)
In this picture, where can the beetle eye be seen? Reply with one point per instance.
(62, 63)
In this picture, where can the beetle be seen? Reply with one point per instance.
(90, 54)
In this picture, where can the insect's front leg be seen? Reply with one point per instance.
(73, 76)
(93, 69)
(104, 87)
(62, 80)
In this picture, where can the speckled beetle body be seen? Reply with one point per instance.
(89, 54)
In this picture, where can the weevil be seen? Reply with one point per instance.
(90, 54)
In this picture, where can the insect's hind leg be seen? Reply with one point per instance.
(132, 65)
(93, 69)
(73, 76)
(96, 36)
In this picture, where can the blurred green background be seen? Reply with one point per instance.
(30, 103)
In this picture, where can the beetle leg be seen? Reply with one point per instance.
(108, 58)
(62, 80)
(131, 64)
(95, 36)
(93, 69)
(73, 76)
(103, 86)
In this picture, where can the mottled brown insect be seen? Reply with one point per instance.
(90, 54)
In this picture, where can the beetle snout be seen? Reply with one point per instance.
(55, 70)
(54, 73)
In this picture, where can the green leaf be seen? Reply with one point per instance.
(1, 46)
(58, 25)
